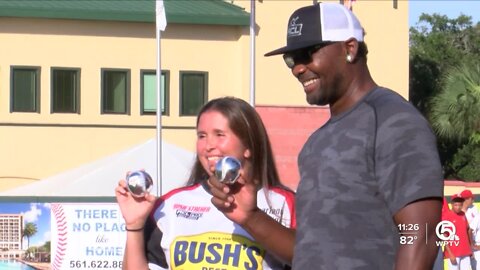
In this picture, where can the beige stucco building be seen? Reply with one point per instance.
(11, 233)
(110, 50)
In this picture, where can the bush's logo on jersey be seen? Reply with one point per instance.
(215, 251)
(190, 211)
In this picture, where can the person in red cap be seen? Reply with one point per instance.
(458, 251)
(468, 207)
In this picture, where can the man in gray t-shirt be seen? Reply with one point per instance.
(357, 171)
(371, 187)
(370, 194)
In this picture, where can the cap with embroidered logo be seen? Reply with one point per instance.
(319, 23)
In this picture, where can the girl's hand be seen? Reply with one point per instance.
(134, 210)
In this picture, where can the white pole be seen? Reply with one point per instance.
(252, 52)
(159, 117)
(160, 24)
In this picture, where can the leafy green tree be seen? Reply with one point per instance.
(466, 162)
(455, 111)
(47, 246)
(29, 230)
(455, 117)
(436, 44)
(444, 57)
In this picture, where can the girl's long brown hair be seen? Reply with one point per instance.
(247, 125)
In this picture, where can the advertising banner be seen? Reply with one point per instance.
(61, 236)
(87, 236)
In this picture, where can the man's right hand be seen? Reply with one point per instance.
(238, 202)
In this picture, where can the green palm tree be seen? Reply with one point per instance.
(29, 230)
(455, 113)
(455, 117)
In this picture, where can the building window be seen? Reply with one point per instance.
(148, 88)
(65, 90)
(115, 91)
(193, 92)
(25, 89)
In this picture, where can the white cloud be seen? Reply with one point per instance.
(47, 236)
(47, 205)
(33, 214)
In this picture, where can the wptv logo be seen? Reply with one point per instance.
(446, 232)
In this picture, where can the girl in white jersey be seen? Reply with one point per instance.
(183, 229)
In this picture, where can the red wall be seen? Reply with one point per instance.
(288, 128)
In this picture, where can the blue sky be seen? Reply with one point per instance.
(38, 213)
(451, 8)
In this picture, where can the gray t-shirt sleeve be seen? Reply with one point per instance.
(407, 165)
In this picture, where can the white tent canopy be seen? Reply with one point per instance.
(99, 178)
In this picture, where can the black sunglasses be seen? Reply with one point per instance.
(302, 55)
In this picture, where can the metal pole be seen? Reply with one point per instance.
(159, 116)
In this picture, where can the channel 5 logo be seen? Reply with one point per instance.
(446, 232)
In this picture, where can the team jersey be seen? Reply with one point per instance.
(460, 247)
(471, 213)
(186, 231)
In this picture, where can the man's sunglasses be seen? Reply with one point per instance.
(302, 56)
